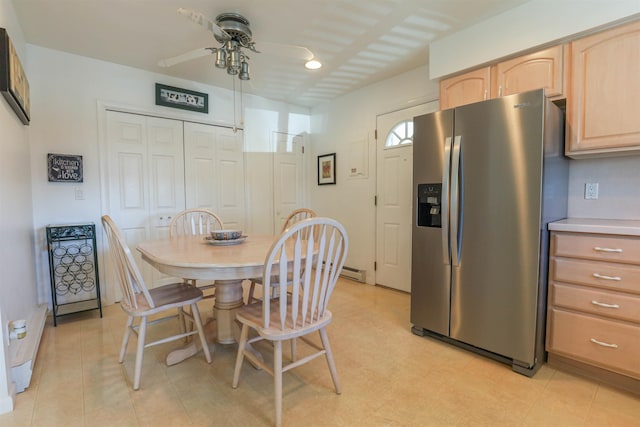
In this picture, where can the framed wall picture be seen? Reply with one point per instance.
(327, 169)
(13, 81)
(169, 96)
(64, 168)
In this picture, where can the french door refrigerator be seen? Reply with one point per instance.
(488, 178)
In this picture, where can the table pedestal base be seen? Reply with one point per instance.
(223, 327)
(228, 300)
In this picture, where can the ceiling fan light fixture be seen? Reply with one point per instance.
(244, 71)
(234, 61)
(312, 64)
(221, 59)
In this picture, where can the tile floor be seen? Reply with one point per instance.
(389, 376)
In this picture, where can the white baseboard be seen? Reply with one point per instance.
(7, 403)
(23, 352)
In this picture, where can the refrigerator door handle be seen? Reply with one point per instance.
(446, 171)
(456, 200)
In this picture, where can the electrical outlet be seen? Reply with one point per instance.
(591, 190)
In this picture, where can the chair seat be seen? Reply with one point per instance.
(253, 316)
(164, 297)
(274, 287)
(258, 280)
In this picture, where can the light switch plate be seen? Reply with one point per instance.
(79, 194)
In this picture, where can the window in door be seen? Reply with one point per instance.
(400, 135)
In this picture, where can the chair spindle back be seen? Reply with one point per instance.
(311, 278)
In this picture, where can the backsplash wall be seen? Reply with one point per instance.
(618, 187)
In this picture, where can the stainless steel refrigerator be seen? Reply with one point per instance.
(487, 179)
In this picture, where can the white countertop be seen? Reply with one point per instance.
(604, 226)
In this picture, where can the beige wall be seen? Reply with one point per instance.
(352, 118)
(17, 281)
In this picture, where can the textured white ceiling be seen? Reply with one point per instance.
(359, 41)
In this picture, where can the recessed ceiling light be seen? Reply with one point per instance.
(313, 64)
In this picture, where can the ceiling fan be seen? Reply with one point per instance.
(233, 32)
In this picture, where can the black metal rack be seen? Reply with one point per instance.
(73, 268)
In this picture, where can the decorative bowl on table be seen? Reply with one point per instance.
(226, 234)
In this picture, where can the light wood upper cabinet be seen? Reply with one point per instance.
(466, 88)
(603, 104)
(542, 69)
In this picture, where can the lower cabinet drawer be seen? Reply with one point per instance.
(622, 277)
(597, 301)
(605, 343)
(625, 249)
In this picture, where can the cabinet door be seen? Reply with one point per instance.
(470, 87)
(603, 102)
(542, 69)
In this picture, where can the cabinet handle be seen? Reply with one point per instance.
(601, 304)
(600, 276)
(599, 249)
(603, 344)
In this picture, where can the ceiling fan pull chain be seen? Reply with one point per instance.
(241, 104)
(235, 127)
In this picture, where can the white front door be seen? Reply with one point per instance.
(288, 176)
(145, 181)
(394, 153)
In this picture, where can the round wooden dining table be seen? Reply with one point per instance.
(194, 257)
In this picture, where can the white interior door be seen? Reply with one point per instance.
(288, 176)
(200, 166)
(157, 167)
(393, 208)
(166, 174)
(145, 181)
(214, 162)
(230, 179)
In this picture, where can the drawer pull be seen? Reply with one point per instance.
(600, 276)
(601, 304)
(599, 249)
(603, 344)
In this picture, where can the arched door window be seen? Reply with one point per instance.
(400, 135)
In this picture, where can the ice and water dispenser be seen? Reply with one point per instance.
(429, 205)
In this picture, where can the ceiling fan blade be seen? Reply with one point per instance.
(188, 56)
(202, 20)
(285, 50)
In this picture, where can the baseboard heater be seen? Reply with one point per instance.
(354, 274)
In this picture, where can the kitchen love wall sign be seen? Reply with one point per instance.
(13, 81)
(64, 168)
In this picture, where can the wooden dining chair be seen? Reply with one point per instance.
(294, 217)
(196, 222)
(301, 311)
(139, 302)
